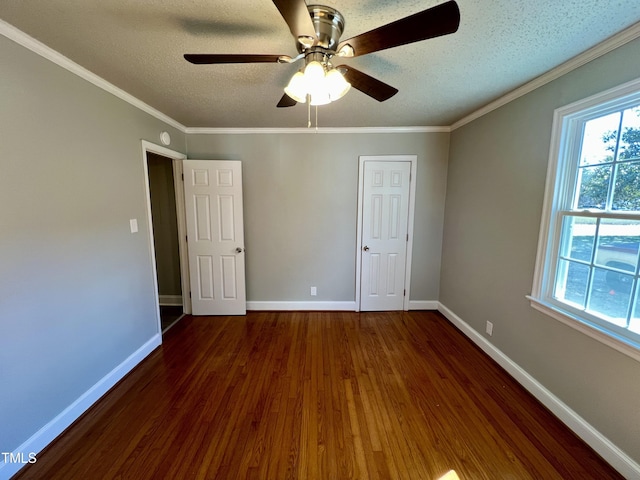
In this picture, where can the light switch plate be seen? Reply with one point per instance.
(133, 224)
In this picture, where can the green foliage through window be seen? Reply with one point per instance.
(597, 188)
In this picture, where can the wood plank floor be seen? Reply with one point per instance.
(318, 395)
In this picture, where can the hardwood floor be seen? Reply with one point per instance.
(169, 314)
(315, 395)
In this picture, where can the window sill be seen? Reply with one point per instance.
(622, 345)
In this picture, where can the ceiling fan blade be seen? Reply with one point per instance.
(367, 84)
(297, 16)
(207, 59)
(434, 22)
(286, 101)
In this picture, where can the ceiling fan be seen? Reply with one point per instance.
(317, 30)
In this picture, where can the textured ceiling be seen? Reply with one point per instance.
(137, 45)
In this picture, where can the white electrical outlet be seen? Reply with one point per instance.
(133, 225)
(314, 291)
(489, 328)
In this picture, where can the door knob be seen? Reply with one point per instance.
(365, 248)
(239, 250)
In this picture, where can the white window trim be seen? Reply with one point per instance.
(559, 146)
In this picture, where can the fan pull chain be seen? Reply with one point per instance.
(309, 113)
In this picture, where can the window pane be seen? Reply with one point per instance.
(626, 194)
(630, 138)
(594, 185)
(618, 242)
(607, 303)
(578, 236)
(571, 283)
(599, 139)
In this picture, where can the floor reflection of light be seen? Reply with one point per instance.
(450, 475)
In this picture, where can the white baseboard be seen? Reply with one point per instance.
(596, 440)
(330, 306)
(303, 306)
(55, 427)
(423, 305)
(170, 300)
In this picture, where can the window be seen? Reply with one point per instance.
(587, 270)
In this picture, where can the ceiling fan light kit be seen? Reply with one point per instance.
(320, 83)
(317, 30)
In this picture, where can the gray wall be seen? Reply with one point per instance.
(76, 288)
(495, 188)
(300, 207)
(165, 224)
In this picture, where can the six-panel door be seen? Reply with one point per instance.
(385, 213)
(215, 236)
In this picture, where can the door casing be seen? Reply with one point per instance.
(176, 158)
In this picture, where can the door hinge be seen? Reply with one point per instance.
(407, 237)
(404, 293)
(183, 177)
(186, 238)
(189, 294)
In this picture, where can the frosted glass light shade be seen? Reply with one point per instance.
(297, 88)
(337, 86)
(314, 75)
(320, 97)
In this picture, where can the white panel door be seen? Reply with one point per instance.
(385, 215)
(215, 236)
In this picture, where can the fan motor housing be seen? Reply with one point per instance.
(329, 25)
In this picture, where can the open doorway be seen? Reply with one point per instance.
(165, 208)
(165, 238)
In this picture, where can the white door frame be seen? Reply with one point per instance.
(176, 160)
(412, 200)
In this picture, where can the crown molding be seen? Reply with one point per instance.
(608, 45)
(30, 43)
(41, 49)
(375, 130)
